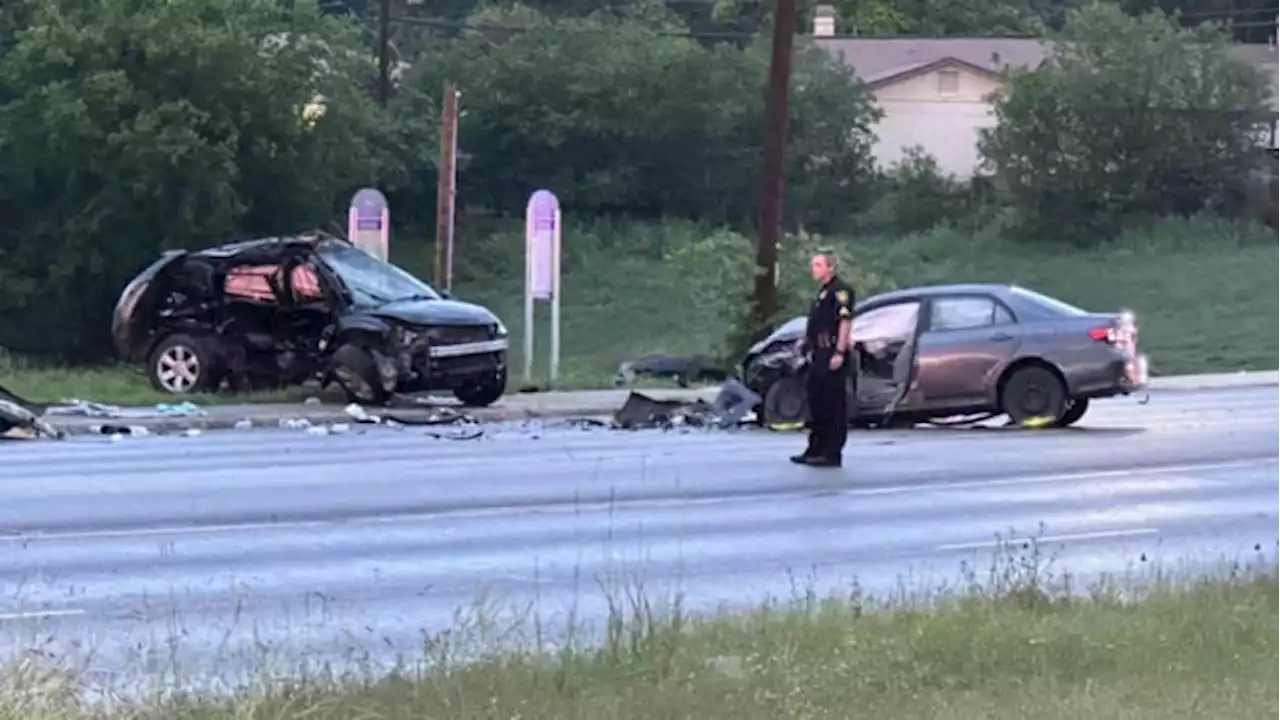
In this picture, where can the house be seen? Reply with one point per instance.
(933, 91)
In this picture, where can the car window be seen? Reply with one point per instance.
(1053, 305)
(959, 313)
(370, 280)
(889, 322)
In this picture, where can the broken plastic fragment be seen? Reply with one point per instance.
(357, 413)
(339, 428)
(138, 431)
(318, 431)
(191, 432)
(311, 401)
(244, 425)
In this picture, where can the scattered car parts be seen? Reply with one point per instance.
(19, 414)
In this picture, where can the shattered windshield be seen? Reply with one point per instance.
(371, 281)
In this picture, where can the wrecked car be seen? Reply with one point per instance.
(932, 353)
(275, 312)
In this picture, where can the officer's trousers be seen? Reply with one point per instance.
(828, 407)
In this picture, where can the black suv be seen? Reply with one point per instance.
(274, 312)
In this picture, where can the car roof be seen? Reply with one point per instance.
(232, 249)
(923, 291)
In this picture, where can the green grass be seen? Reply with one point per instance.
(1203, 292)
(1203, 650)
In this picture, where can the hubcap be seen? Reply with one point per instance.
(1036, 400)
(178, 369)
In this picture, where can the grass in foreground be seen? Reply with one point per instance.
(1204, 650)
(1201, 290)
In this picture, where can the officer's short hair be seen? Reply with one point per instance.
(828, 254)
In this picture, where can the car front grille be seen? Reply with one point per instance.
(450, 335)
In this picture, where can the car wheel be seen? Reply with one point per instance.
(786, 402)
(357, 374)
(182, 364)
(1033, 391)
(1075, 410)
(482, 394)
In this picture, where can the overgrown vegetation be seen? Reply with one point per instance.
(1013, 644)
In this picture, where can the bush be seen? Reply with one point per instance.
(721, 268)
(1136, 117)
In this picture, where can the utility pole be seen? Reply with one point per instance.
(772, 179)
(445, 187)
(384, 51)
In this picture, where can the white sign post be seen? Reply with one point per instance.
(369, 222)
(542, 273)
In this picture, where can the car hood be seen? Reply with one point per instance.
(435, 312)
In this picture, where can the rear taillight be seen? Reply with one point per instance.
(1102, 334)
(1121, 332)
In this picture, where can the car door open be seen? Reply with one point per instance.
(884, 341)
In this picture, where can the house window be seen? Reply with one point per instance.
(948, 82)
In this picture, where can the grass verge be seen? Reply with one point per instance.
(1201, 289)
(1204, 649)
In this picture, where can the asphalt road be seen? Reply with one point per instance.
(270, 544)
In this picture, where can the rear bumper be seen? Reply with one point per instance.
(1122, 376)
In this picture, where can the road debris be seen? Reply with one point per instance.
(23, 415)
(80, 408)
(732, 407)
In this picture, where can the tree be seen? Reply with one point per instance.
(1136, 117)
(128, 126)
(633, 116)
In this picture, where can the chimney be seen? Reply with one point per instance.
(824, 21)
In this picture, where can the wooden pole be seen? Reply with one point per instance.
(772, 181)
(445, 187)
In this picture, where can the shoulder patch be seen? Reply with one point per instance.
(842, 296)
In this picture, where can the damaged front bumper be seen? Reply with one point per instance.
(418, 363)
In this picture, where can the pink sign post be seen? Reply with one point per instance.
(369, 222)
(542, 273)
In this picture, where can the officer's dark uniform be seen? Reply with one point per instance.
(829, 423)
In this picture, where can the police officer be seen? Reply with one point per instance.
(828, 338)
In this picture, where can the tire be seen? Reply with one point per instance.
(183, 364)
(1076, 408)
(356, 372)
(785, 402)
(1033, 391)
(483, 394)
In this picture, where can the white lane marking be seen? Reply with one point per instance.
(623, 503)
(39, 614)
(1100, 535)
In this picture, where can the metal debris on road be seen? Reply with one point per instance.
(731, 408)
(17, 413)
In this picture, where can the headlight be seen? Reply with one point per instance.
(499, 329)
(404, 336)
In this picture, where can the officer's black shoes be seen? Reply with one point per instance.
(816, 460)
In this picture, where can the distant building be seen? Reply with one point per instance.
(933, 91)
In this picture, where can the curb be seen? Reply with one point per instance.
(91, 426)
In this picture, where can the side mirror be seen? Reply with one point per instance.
(446, 294)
